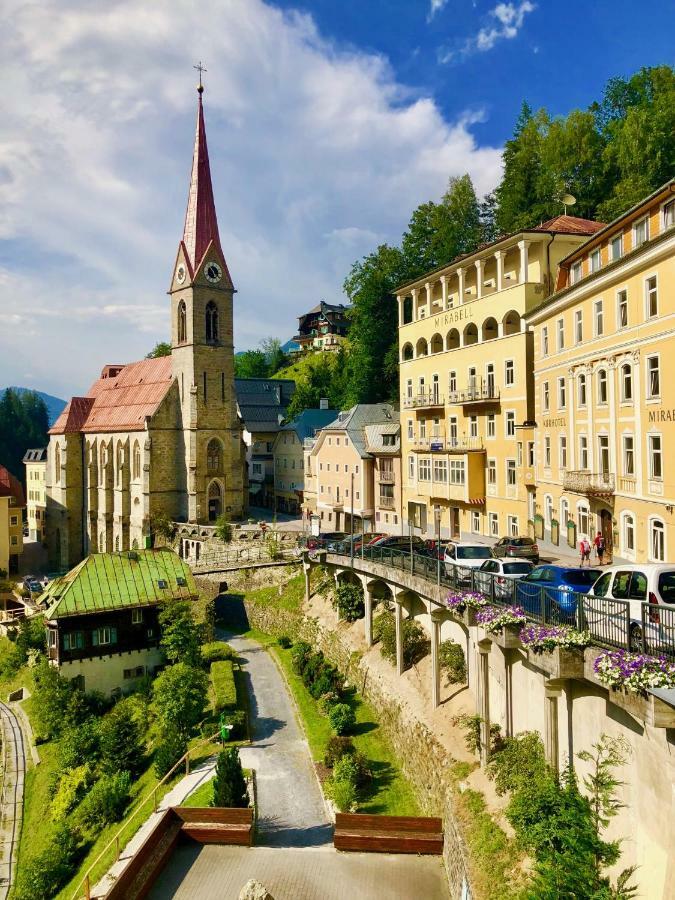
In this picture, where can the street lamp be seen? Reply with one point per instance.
(437, 522)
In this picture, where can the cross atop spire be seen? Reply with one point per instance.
(201, 225)
(200, 68)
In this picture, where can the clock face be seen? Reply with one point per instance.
(181, 273)
(213, 272)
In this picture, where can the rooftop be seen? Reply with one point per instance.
(309, 421)
(11, 486)
(104, 582)
(355, 420)
(37, 455)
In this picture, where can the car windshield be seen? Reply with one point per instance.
(581, 577)
(473, 553)
(517, 568)
(521, 542)
(667, 586)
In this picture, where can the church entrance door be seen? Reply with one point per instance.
(215, 499)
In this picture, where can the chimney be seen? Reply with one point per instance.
(323, 403)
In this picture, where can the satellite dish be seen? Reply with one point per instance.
(568, 200)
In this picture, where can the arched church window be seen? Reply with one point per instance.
(213, 455)
(182, 322)
(211, 322)
(57, 464)
(104, 460)
(137, 461)
(120, 464)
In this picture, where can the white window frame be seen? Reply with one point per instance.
(547, 452)
(626, 516)
(491, 426)
(653, 454)
(510, 423)
(583, 452)
(562, 451)
(628, 454)
(562, 393)
(511, 469)
(648, 388)
(576, 271)
(493, 524)
(475, 521)
(648, 294)
(582, 380)
(622, 303)
(667, 212)
(617, 239)
(602, 379)
(509, 373)
(491, 475)
(643, 221)
(545, 396)
(512, 526)
(544, 341)
(595, 260)
(598, 318)
(653, 521)
(624, 368)
(560, 333)
(578, 326)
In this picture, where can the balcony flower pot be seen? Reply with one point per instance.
(561, 662)
(508, 637)
(502, 625)
(645, 708)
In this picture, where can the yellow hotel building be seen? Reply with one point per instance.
(604, 398)
(466, 361)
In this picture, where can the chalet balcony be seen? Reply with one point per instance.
(386, 502)
(483, 393)
(424, 401)
(441, 445)
(591, 484)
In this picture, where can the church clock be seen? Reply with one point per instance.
(181, 272)
(213, 272)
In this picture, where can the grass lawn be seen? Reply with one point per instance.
(290, 599)
(391, 793)
(202, 796)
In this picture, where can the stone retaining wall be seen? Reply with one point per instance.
(423, 759)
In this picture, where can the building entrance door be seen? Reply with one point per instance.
(607, 533)
(454, 522)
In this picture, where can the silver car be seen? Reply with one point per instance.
(502, 573)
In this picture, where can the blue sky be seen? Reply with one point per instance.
(328, 123)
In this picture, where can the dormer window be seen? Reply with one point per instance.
(616, 248)
(162, 584)
(640, 232)
(669, 215)
(595, 261)
(575, 272)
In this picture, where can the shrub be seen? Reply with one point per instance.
(348, 601)
(72, 785)
(284, 641)
(214, 651)
(229, 784)
(179, 698)
(337, 747)
(472, 728)
(327, 701)
(343, 794)
(313, 667)
(414, 639)
(105, 803)
(237, 718)
(224, 687)
(223, 528)
(170, 748)
(451, 658)
(122, 739)
(44, 874)
(342, 718)
(181, 635)
(353, 767)
(327, 681)
(300, 655)
(273, 548)
(79, 744)
(520, 761)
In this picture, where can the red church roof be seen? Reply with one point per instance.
(118, 402)
(11, 486)
(201, 224)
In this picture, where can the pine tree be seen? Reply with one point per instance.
(229, 784)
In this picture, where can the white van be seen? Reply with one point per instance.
(652, 583)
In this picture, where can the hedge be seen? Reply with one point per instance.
(217, 650)
(224, 688)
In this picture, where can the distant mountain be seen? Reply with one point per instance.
(55, 405)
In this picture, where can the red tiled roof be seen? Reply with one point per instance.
(11, 486)
(120, 402)
(570, 225)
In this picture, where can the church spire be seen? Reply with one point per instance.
(201, 224)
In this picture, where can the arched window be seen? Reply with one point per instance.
(602, 386)
(657, 540)
(137, 461)
(134, 544)
(104, 459)
(627, 383)
(182, 322)
(452, 339)
(437, 344)
(211, 322)
(407, 352)
(584, 519)
(511, 323)
(548, 510)
(564, 513)
(628, 534)
(215, 500)
(490, 329)
(422, 348)
(213, 456)
(470, 334)
(120, 463)
(57, 464)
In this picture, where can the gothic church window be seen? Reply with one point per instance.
(213, 456)
(57, 463)
(137, 461)
(211, 322)
(182, 322)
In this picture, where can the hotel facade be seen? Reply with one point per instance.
(466, 364)
(604, 351)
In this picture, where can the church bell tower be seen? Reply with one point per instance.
(202, 353)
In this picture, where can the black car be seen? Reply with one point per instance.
(522, 547)
(400, 542)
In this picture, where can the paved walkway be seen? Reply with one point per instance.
(211, 872)
(291, 810)
(11, 801)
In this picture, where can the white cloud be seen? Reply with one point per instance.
(506, 20)
(317, 155)
(435, 7)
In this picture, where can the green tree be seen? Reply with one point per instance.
(52, 695)
(121, 739)
(24, 422)
(162, 348)
(30, 636)
(224, 528)
(274, 356)
(324, 375)
(179, 698)
(181, 638)
(229, 784)
(251, 364)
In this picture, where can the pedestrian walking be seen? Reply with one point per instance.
(585, 551)
(599, 544)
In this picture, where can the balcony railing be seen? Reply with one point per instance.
(441, 445)
(423, 401)
(484, 393)
(386, 477)
(386, 502)
(590, 483)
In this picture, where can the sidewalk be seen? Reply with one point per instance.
(548, 554)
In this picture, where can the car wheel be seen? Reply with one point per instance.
(635, 638)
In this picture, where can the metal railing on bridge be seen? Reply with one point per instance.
(244, 556)
(611, 623)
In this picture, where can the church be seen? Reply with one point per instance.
(160, 437)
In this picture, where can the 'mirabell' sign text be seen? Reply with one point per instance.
(453, 316)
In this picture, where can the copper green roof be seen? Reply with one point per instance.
(104, 582)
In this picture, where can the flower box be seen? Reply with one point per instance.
(466, 617)
(508, 638)
(648, 709)
(561, 662)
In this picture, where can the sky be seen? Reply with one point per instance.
(328, 123)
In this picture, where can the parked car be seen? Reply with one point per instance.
(557, 588)
(652, 583)
(502, 573)
(436, 549)
(522, 547)
(401, 542)
(320, 541)
(461, 557)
